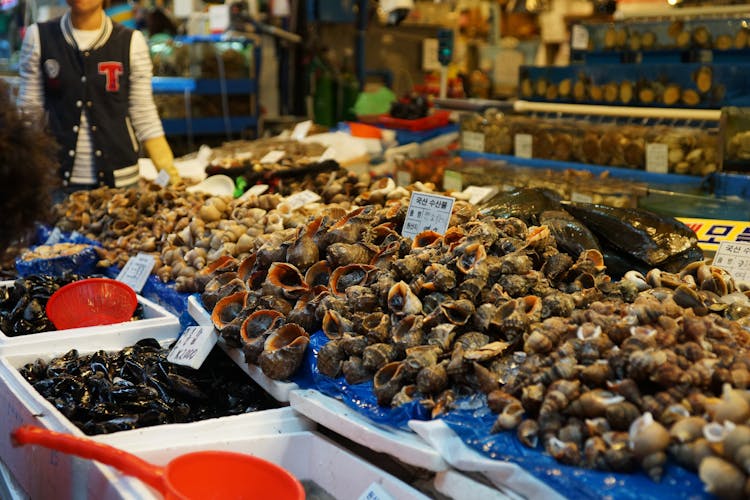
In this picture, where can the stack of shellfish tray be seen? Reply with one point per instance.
(407, 448)
(151, 318)
(59, 367)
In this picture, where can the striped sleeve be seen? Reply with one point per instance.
(142, 109)
(31, 93)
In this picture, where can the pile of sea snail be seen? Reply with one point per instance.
(185, 231)
(602, 374)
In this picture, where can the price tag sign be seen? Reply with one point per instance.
(301, 129)
(734, 257)
(193, 346)
(218, 18)
(272, 157)
(302, 198)
(427, 211)
(136, 271)
(523, 145)
(472, 141)
(403, 178)
(375, 492)
(162, 179)
(579, 37)
(452, 181)
(581, 197)
(477, 194)
(657, 158)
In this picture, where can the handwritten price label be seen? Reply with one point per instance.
(523, 145)
(136, 271)
(472, 141)
(162, 179)
(452, 181)
(193, 346)
(302, 198)
(657, 158)
(427, 211)
(734, 257)
(301, 129)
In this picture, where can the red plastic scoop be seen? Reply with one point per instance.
(197, 475)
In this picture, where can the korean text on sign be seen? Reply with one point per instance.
(427, 212)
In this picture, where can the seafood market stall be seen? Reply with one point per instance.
(534, 345)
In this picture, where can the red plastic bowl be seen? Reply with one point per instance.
(91, 302)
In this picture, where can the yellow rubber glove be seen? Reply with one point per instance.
(161, 154)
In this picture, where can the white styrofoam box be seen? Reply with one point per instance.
(21, 404)
(155, 319)
(453, 484)
(277, 389)
(512, 478)
(407, 447)
(307, 455)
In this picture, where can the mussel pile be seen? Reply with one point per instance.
(22, 304)
(186, 231)
(137, 387)
(568, 357)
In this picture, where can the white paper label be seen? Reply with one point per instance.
(452, 181)
(193, 346)
(162, 179)
(734, 257)
(523, 145)
(328, 154)
(136, 271)
(245, 155)
(472, 141)
(272, 157)
(302, 198)
(581, 197)
(579, 38)
(218, 18)
(478, 194)
(427, 211)
(301, 129)
(375, 492)
(657, 158)
(54, 237)
(403, 178)
(507, 188)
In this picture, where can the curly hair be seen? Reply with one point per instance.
(28, 171)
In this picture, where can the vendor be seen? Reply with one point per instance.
(92, 77)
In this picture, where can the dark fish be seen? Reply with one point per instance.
(571, 236)
(646, 236)
(526, 204)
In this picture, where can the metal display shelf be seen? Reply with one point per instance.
(208, 126)
(203, 86)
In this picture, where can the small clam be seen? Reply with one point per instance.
(433, 378)
(283, 351)
(318, 273)
(334, 324)
(648, 440)
(375, 356)
(402, 301)
(346, 276)
(528, 433)
(722, 478)
(254, 331)
(287, 278)
(376, 326)
(387, 382)
(457, 312)
(330, 359)
(355, 371)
